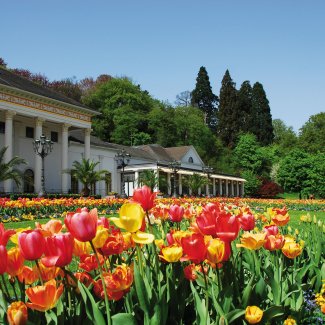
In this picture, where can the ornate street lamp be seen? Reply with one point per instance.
(42, 147)
(174, 166)
(122, 158)
(208, 170)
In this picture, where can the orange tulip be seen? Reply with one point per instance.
(49, 273)
(252, 241)
(50, 228)
(17, 313)
(81, 248)
(28, 275)
(44, 297)
(15, 261)
(291, 249)
(253, 314)
(117, 283)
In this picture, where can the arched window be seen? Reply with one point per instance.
(28, 181)
(190, 160)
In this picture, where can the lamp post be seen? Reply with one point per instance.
(123, 159)
(174, 166)
(208, 170)
(42, 147)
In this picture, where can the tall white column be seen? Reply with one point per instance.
(180, 185)
(242, 188)
(213, 186)
(9, 144)
(64, 161)
(136, 179)
(220, 187)
(232, 188)
(237, 189)
(156, 189)
(101, 184)
(87, 143)
(38, 160)
(169, 184)
(227, 188)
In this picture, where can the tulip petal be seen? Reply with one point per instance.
(143, 238)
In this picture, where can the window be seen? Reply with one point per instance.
(2, 127)
(190, 160)
(28, 181)
(54, 136)
(108, 182)
(29, 132)
(74, 184)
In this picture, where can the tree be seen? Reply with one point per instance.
(119, 101)
(204, 99)
(8, 170)
(85, 172)
(3, 63)
(228, 117)
(195, 182)
(184, 99)
(261, 118)
(247, 155)
(67, 87)
(285, 138)
(293, 171)
(312, 134)
(252, 183)
(245, 107)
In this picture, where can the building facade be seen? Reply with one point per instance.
(28, 111)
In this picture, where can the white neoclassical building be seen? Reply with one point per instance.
(28, 111)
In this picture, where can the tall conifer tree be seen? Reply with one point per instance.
(261, 115)
(204, 98)
(245, 106)
(228, 124)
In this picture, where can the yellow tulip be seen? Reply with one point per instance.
(101, 236)
(252, 241)
(253, 314)
(159, 243)
(131, 217)
(291, 249)
(215, 250)
(172, 253)
(289, 321)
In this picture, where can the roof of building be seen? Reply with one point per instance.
(153, 152)
(9, 78)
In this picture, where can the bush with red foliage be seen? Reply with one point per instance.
(269, 189)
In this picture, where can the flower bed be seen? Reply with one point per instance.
(169, 261)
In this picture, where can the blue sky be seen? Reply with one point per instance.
(162, 44)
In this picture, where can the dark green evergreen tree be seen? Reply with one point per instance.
(228, 112)
(261, 118)
(245, 106)
(204, 99)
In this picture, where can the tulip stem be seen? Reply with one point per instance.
(108, 312)
(139, 259)
(206, 294)
(39, 272)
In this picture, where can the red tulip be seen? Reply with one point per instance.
(144, 197)
(82, 224)
(227, 227)
(5, 234)
(31, 244)
(274, 242)
(176, 213)
(247, 221)
(58, 250)
(3, 259)
(206, 221)
(194, 248)
(271, 230)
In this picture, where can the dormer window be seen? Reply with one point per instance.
(190, 160)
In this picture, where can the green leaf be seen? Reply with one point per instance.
(248, 291)
(124, 319)
(273, 312)
(141, 290)
(92, 309)
(51, 317)
(199, 306)
(234, 315)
